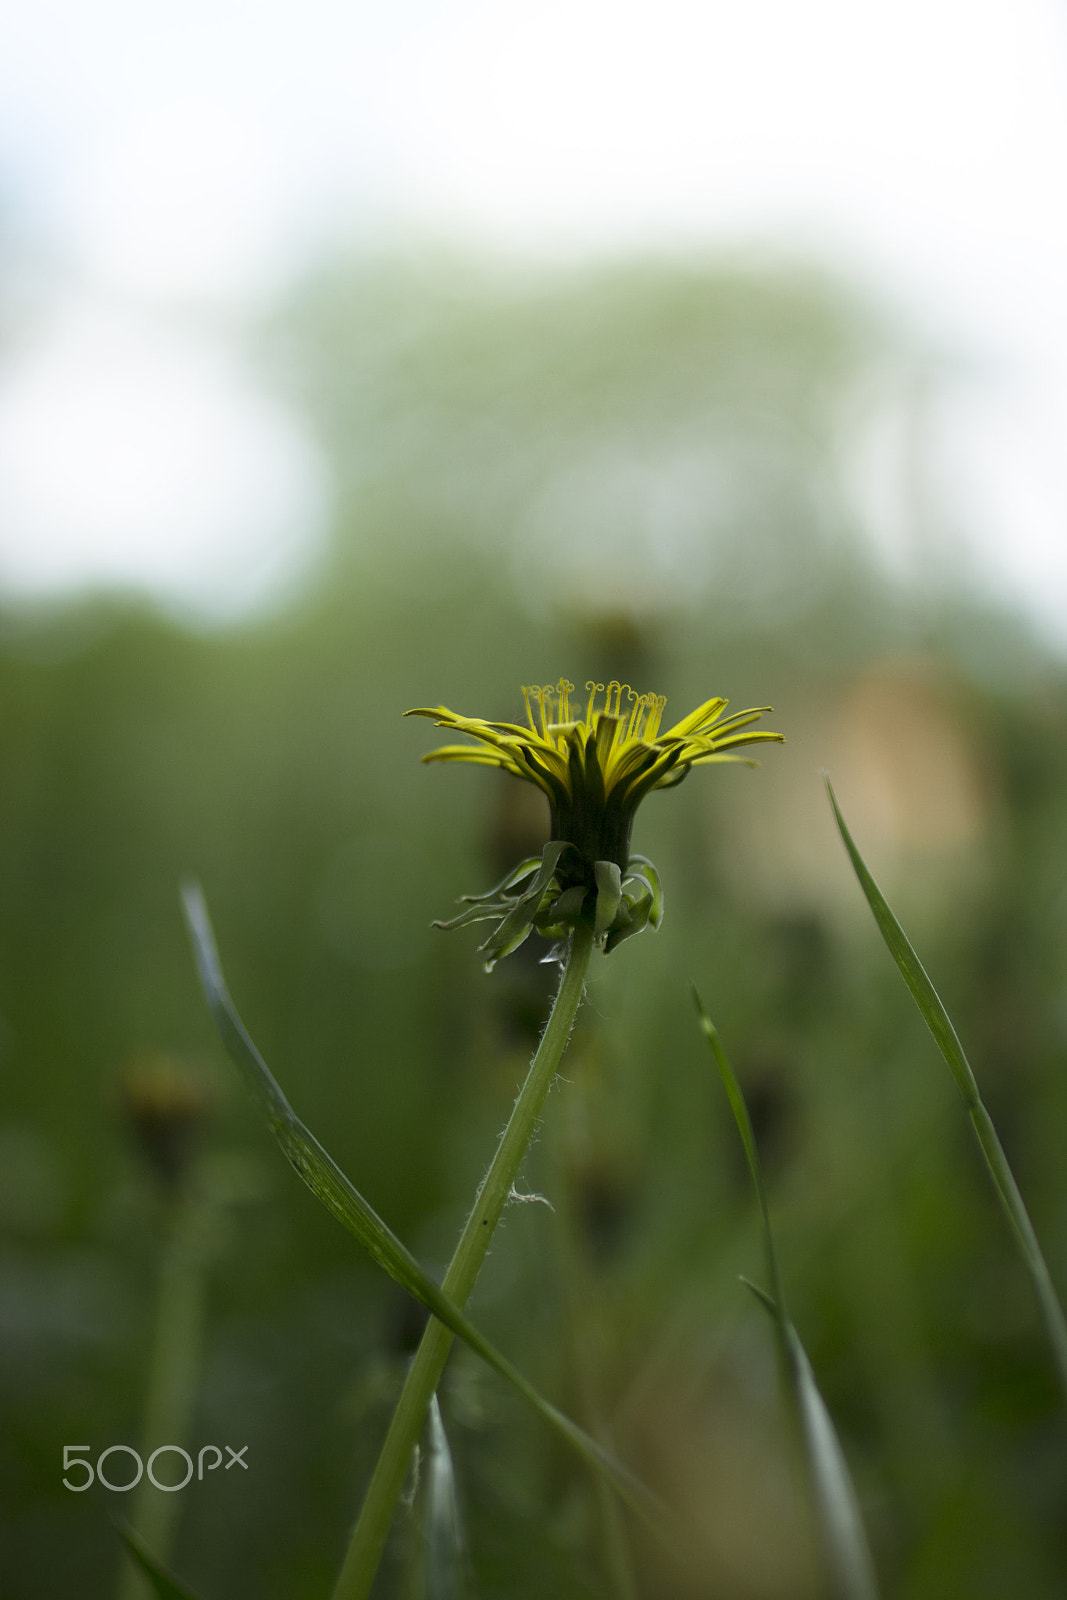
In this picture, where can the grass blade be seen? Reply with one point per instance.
(165, 1585)
(748, 1141)
(326, 1180)
(947, 1040)
(844, 1540)
(446, 1550)
(847, 1551)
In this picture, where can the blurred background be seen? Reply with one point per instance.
(359, 359)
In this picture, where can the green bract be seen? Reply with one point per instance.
(595, 771)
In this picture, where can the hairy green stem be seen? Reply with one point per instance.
(387, 1483)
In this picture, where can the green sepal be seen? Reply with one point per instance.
(495, 948)
(635, 889)
(651, 876)
(632, 918)
(517, 923)
(568, 904)
(509, 881)
(478, 913)
(608, 896)
(625, 904)
(558, 914)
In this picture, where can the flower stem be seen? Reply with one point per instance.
(424, 1374)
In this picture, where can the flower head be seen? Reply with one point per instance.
(595, 769)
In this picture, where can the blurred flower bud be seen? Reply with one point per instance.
(165, 1103)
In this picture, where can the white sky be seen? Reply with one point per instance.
(176, 163)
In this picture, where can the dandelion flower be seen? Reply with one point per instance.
(595, 770)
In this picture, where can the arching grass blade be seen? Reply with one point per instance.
(844, 1541)
(326, 1180)
(947, 1041)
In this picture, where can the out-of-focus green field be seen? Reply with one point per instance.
(647, 474)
